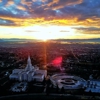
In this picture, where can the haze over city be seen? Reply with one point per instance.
(50, 19)
(49, 49)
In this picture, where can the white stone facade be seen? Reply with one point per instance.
(30, 73)
(67, 81)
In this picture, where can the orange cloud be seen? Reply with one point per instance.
(28, 2)
(53, 2)
(10, 2)
(57, 4)
(53, 21)
(21, 7)
(43, 0)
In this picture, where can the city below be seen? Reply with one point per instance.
(49, 69)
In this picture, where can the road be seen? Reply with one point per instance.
(43, 95)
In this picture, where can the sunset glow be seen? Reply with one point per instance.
(53, 32)
(50, 19)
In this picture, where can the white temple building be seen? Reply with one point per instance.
(30, 73)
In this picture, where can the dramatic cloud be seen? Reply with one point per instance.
(64, 31)
(6, 22)
(29, 31)
(80, 13)
(57, 4)
(89, 30)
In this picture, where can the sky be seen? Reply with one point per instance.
(50, 19)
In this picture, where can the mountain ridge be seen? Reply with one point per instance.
(56, 40)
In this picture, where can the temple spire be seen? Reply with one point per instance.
(29, 64)
(29, 60)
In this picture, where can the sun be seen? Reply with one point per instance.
(45, 40)
(46, 33)
(43, 36)
(51, 32)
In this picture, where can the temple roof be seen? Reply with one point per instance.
(29, 64)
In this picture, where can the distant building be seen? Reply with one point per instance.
(66, 81)
(30, 73)
(19, 87)
(93, 86)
